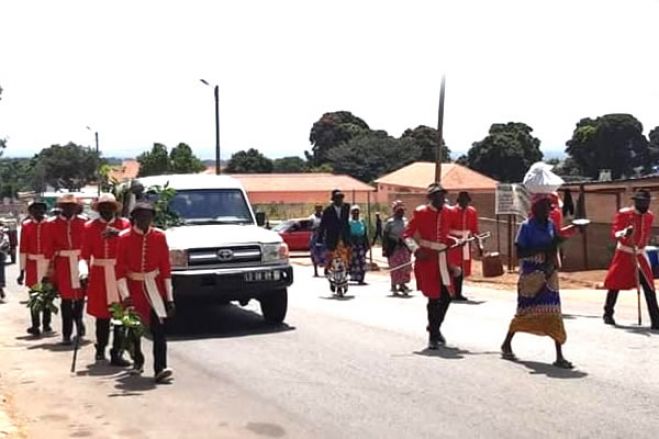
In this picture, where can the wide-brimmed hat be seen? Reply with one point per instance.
(143, 205)
(434, 188)
(106, 198)
(37, 202)
(67, 199)
(642, 195)
(337, 193)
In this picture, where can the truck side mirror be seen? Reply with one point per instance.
(260, 219)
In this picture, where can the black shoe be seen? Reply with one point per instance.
(34, 331)
(433, 344)
(100, 353)
(117, 360)
(66, 341)
(608, 320)
(47, 330)
(2, 294)
(164, 375)
(138, 369)
(460, 299)
(440, 339)
(80, 329)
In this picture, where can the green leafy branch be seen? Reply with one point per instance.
(165, 216)
(42, 298)
(130, 326)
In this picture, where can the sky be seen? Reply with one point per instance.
(131, 69)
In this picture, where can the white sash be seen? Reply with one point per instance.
(153, 296)
(42, 266)
(72, 256)
(463, 234)
(111, 291)
(442, 261)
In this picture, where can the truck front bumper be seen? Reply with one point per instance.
(231, 284)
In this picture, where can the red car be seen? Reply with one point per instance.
(296, 233)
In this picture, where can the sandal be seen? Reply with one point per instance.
(563, 364)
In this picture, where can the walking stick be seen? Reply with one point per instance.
(75, 353)
(637, 273)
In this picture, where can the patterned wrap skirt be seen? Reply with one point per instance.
(400, 256)
(318, 250)
(358, 262)
(341, 252)
(539, 306)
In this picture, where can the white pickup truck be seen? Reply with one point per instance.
(220, 253)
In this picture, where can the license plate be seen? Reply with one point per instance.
(262, 276)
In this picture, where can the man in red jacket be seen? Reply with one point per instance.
(464, 224)
(427, 235)
(66, 231)
(632, 228)
(36, 252)
(99, 257)
(145, 282)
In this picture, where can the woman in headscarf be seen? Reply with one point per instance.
(316, 247)
(359, 241)
(538, 300)
(394, 248)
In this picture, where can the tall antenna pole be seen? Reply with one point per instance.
(440, 132)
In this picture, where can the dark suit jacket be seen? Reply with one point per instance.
(332, 227)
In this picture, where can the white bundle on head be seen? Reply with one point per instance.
(541, 180)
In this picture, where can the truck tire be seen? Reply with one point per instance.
(274, 306)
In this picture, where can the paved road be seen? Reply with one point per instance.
(353, 368)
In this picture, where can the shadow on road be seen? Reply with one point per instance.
(468, 302)
(584, 316)
(445, 352)
(338, 298)
(400, 296)
(57, 347)
(99, 369)
(219, 321)
(551, 371)
(133, 385)
(639, 330)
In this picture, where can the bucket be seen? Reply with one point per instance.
(492, 265)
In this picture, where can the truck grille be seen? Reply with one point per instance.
(224, 256)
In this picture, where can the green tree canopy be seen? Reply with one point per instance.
(426, 138)
(332, 130)
(654, 147)
(154, 162)
(183, 161)
(506, 153)
(69, 166)
(290, 165)
(249, 162)
(612, 141)
(370, 156)
(16, 175)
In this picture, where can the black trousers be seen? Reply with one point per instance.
(103, 336)
(457, 283)
(650, 300)
(437, 309)
(71, 312)
(157, 329)
(36, 317)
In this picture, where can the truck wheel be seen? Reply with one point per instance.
(274, 306)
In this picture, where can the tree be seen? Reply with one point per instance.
(183, 161)
(654, 148)
(249, 162)
(290, 165)
(3, 142)
(332, 130)
(612, 141)
(426, 138)
(16, 175)
(154, 162)
(506, 153)
(68, 167)
(370, 156)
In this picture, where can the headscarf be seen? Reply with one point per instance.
(398, 204)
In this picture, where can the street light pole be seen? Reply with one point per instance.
(98, 162)
(216, 93)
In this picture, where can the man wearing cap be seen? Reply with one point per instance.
(632, 228)
(99, 258)
(334, 229)
(144, 281)
(36, 252)
(464, 224)
(66, 232)
(427, 235)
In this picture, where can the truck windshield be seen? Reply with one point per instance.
(212, 206)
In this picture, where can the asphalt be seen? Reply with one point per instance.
(351, 368)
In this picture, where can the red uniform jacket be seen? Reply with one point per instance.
(429, 227)
(36, 250)
(66, 236)
(101, 255)
(464, 223)
(621, 272)
(141, 258)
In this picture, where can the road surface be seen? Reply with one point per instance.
(352, 368)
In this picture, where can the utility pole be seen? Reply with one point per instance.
(216, 92)
(98, 164)
(440, 132)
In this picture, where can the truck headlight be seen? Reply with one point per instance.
(178, 258)
(275, 252)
